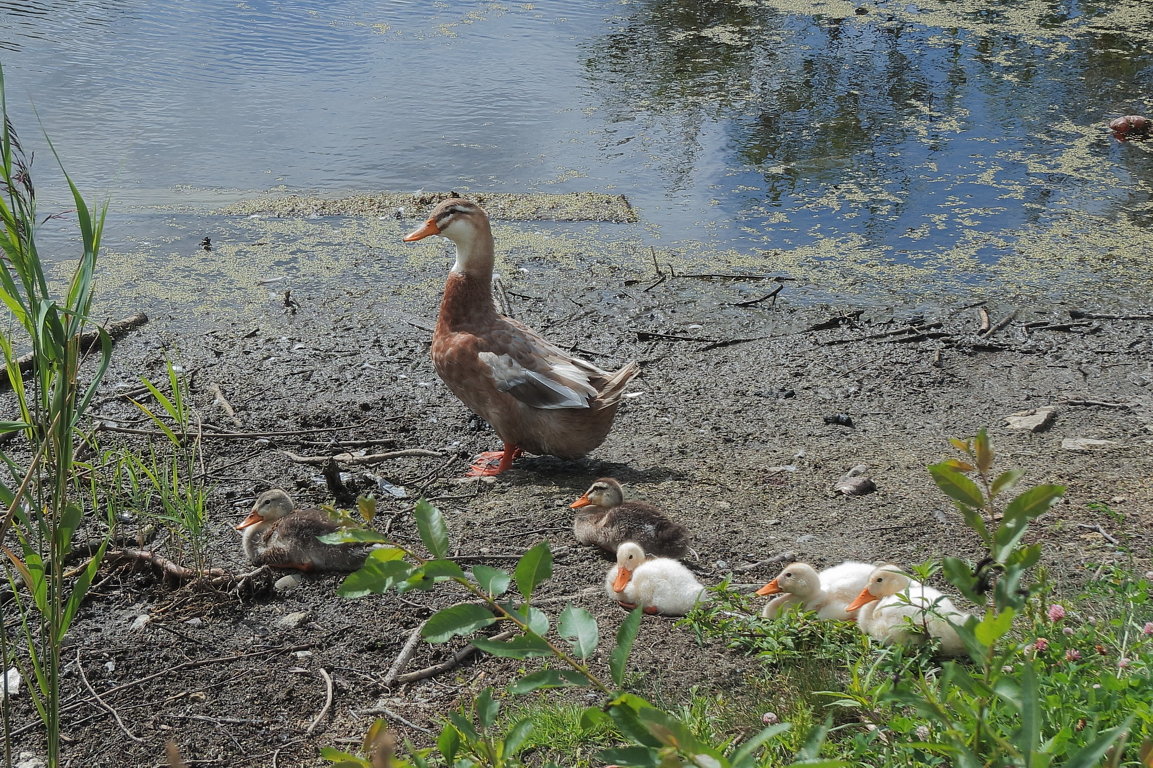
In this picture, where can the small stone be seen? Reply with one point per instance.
(292, 620)
(1085, 443)
(195, 621)
(1034, 419)
(286, 584)
(302, 654)
(855, 482)
(11, 683)
(140, 622)
(806, 538)
(29, 760)
(198, 696)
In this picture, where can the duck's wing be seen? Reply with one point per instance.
(537, 372)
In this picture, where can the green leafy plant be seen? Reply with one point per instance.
(41, 490)
(471, 737)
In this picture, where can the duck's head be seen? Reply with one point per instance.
(629, 556)
(270, 506)
(461, 221)
(883, 582)
(796, 579)
(605, 492)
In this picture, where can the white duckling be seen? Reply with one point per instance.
(657, 585)
(278, 534)
(895, 609)
(828, 592)
(606, 520)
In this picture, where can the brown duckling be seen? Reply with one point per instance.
(605, 520)
(278, 534)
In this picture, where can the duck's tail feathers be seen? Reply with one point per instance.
(614, 387)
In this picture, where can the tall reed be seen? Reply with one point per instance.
(38, 483)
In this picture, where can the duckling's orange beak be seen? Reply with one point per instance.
(583, 501)
(865, 597)
(252, 519)
(771, 588)
(423, 231)
(622, 581)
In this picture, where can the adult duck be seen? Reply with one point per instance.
(606, 520)
(896, 610)
(537, 397)
(657, 585)
(278, 534)
(828, 592)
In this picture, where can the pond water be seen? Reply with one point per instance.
(966, 139)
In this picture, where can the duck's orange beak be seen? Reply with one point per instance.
(423, 231)
(252, 519)
(771, 588)
(583, 501)
(865, 597)
(622, 581)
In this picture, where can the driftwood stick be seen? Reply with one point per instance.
(163, 565)
(103, 704)
(218, 398)
(87, 340)
(653, 336)
(327, 703)
(1077, 314)
(916, 330)
(110, 427)
(1001, 324)
(372, 458)
(770, 295)
(1098, 529)
(986, 324)
(403, 657)
(451, 662)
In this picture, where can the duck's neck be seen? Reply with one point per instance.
(468, 290)
(253, 538)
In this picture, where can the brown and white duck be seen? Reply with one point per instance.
(606, 520)
(537, 397)
(278, 534)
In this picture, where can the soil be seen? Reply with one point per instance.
(732, 431)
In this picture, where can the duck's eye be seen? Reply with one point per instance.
(789, 575)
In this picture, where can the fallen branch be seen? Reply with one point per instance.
(371, 458)
(327, 702)
(453, 661)
(653, 336)
(1000, 325)
(403, 657)
(918, 332)
(1098, 529)
(770, 295)
(87, 341)
(1099, 403)
(1077, 314)
(218, 398)
(251, 583)
(106, 426)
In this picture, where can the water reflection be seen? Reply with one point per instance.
(902, 129)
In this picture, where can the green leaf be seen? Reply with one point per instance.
(626, 636)
(994, 626)
(354, 536)
(432, 529)
(493, 581)
(549, 678)
(382, 569)
(366, 507)
(1005, 481)
(1090, 755)
(959, 573)
(746, 753)
(521, 647)
(442, 569)
(579, 627)
(534, 567)
(486, 708)
(1018, 514)
(515, 737)
(983, 451)
(632, 757)
(448, 742)
(1029, 734)
(457, 620)
(956, 486)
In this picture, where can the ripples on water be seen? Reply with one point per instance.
(904, 131)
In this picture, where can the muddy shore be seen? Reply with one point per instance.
(733, 431)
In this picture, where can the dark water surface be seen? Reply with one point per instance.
(964, 138)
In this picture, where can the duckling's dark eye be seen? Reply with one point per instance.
(789, 575)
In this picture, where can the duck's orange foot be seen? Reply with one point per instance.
(651, 610)
(627, 606)
(483, 464)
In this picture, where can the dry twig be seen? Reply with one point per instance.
(371, 458)
(327, 702)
